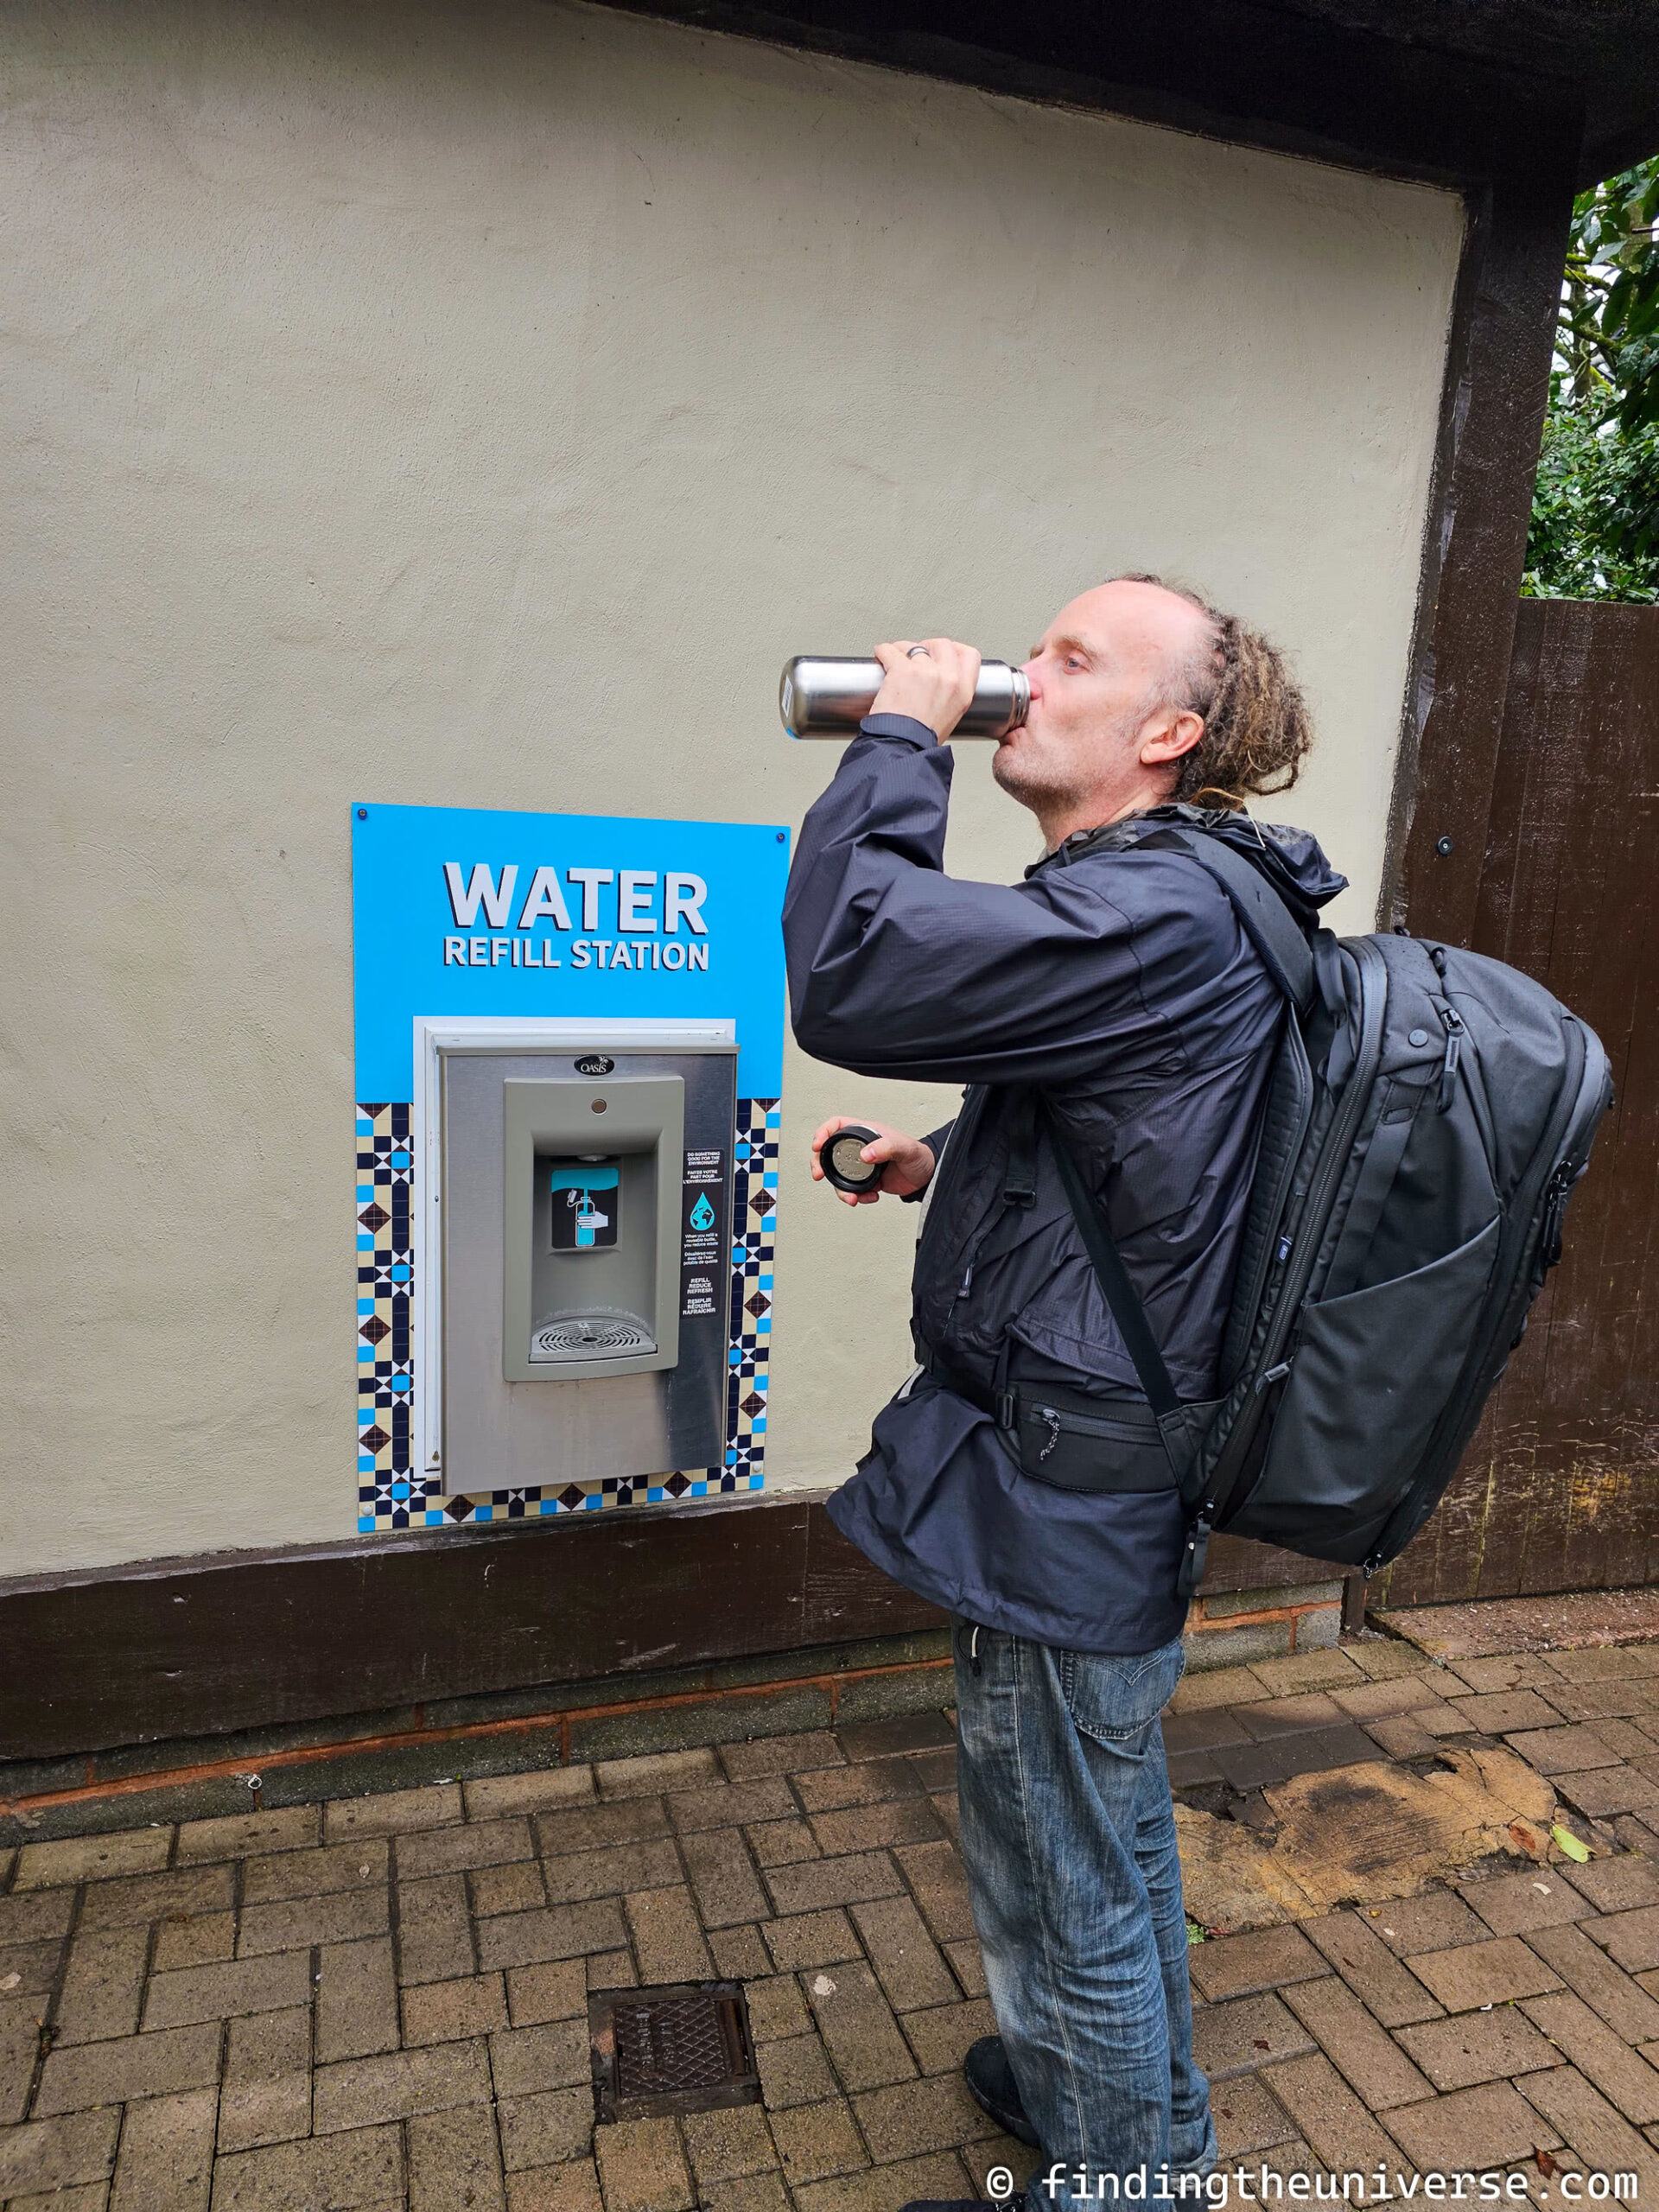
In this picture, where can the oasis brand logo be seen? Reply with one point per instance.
(594, 1063)
(652, 918)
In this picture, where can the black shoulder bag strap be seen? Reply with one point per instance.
(1262, 914)
(1122, 1297)
(1123, 1302)
(1290, 960)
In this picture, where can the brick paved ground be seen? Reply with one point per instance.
(380, 2001)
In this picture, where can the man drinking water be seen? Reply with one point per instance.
(1111, 1002)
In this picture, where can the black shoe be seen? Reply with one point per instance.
(994, 2089)
(967, 2204)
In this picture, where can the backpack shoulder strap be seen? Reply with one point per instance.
(1266, 920)
(1123, 1300)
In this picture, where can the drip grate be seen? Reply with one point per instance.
(683, 2048)
(590, 1335)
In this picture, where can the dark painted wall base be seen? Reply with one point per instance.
(204, 1649)
(870, 1682)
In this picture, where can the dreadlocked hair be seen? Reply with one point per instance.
(1256, 730)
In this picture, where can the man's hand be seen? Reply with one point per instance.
(933, 686)
(909, 1168)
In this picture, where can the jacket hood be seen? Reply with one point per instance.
(1291, 860)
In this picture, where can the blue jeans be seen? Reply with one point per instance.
(1069, 1837)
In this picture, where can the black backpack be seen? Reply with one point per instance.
(1429, 1113)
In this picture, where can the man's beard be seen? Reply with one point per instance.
(1023, 780)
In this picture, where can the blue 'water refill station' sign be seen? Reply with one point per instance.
(462, 912)
(569, 1052)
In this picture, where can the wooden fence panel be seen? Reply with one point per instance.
(1560, 1487)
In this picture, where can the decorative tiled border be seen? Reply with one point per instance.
(385, 1310)
(391, 1493)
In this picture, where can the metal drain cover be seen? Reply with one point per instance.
(685, 2047)
(593, 1335)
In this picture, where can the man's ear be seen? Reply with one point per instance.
(1170, 736)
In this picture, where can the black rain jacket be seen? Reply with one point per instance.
(1117, 979)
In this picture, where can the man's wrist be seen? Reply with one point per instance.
(912, 1197)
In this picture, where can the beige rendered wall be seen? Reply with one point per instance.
(473, 405)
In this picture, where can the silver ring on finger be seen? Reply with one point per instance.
(913, 653)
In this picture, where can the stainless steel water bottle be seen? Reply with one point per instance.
(823, 697)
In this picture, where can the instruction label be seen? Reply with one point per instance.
(700, 1231)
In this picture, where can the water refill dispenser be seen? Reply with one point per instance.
(586, 1204)
(582, 1294)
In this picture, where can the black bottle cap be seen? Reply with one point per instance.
(838, 1156)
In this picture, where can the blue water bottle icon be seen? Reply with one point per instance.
(585, 1195)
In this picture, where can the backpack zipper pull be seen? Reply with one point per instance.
(1048, 1414)
(1453, 1021)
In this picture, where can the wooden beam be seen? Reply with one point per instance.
(192, 1648)
(1496, 391)
(1236, 70)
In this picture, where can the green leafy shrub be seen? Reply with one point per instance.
(1595, 512)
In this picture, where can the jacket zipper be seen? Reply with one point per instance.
(966, 1281)
(938, 1176)
(1121, 1430)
